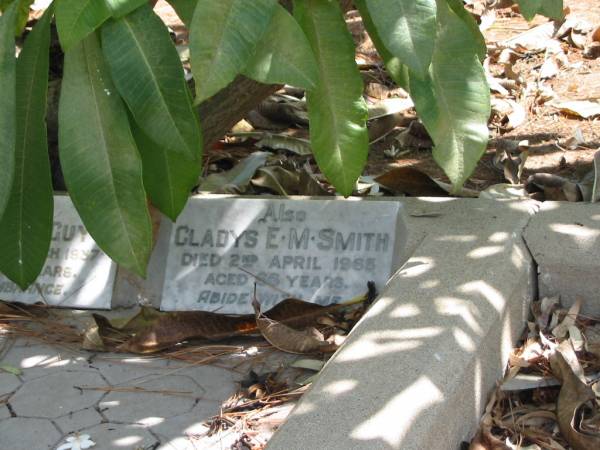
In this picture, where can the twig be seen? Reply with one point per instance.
(134, 389)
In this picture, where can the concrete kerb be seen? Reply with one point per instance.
(416, 371)
(564, 239)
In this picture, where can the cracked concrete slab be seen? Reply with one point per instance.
(159, 398)
(172, 398)
(57, 394)
(40, 360)
(130, 368)
(182, 432)
(216, 383)
(78, 420)
(28, 434)
(564, 239)
(111, 436)
(8, 383)
(4, 412)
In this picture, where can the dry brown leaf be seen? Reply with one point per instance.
(592, 340)
(380, 127)
(153, 331)
(574, 395)
(406, 180)
(516, 117)
(534, 40)
(485, 439)
(554, 187)
(547, 306)
(592, 51)
(582, 108)
(277, 179)
(288, 339)
(562, 329)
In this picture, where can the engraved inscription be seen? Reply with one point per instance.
(320, 251)
(76, 272)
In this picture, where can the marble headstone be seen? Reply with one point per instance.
(77, 273)
(323, 251)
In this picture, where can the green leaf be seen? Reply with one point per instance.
(76, 19)
(529, 8)
(407, 29)
(99, 158)
(120, 8)
(283, 55)
(8, 103)
(237, 178)
(27, 223)
(10, 369)
(223, 36)
(548, 8)
(148, 74)
(168, 178)
(396, 70)
(459, 9)
(552, 9)
(22, 13)
(337, 110)
(184, 9)
(453, 101)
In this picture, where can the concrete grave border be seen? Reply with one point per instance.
(417, 370)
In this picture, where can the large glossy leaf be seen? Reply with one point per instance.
(120, 8)
(22, 13)
(459, 9)
(27, 223)
(337, 110)
(223, 36)
(101, 165)
(549, 8)
(552, 9)
(8, 103)
(397, 71)
(453, 101)
(168, 177)
(184, 9)
(75, 19)
(283, 55)
(407, 28)
(148, 74)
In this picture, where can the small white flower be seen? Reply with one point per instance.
(77, 442)
(251, 351)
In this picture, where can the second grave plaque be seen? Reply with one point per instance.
(323, 251)
(76, 274)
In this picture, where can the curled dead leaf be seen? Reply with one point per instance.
(151, 331)
(485, 439)
(409, 181)
(574, 396)
(288, 339)
(553, 187)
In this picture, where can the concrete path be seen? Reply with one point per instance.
(59, 394)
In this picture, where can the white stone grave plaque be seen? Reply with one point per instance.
(323, 251)
(77, 273)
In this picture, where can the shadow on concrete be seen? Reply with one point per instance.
(417, 370)
(415, 373)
